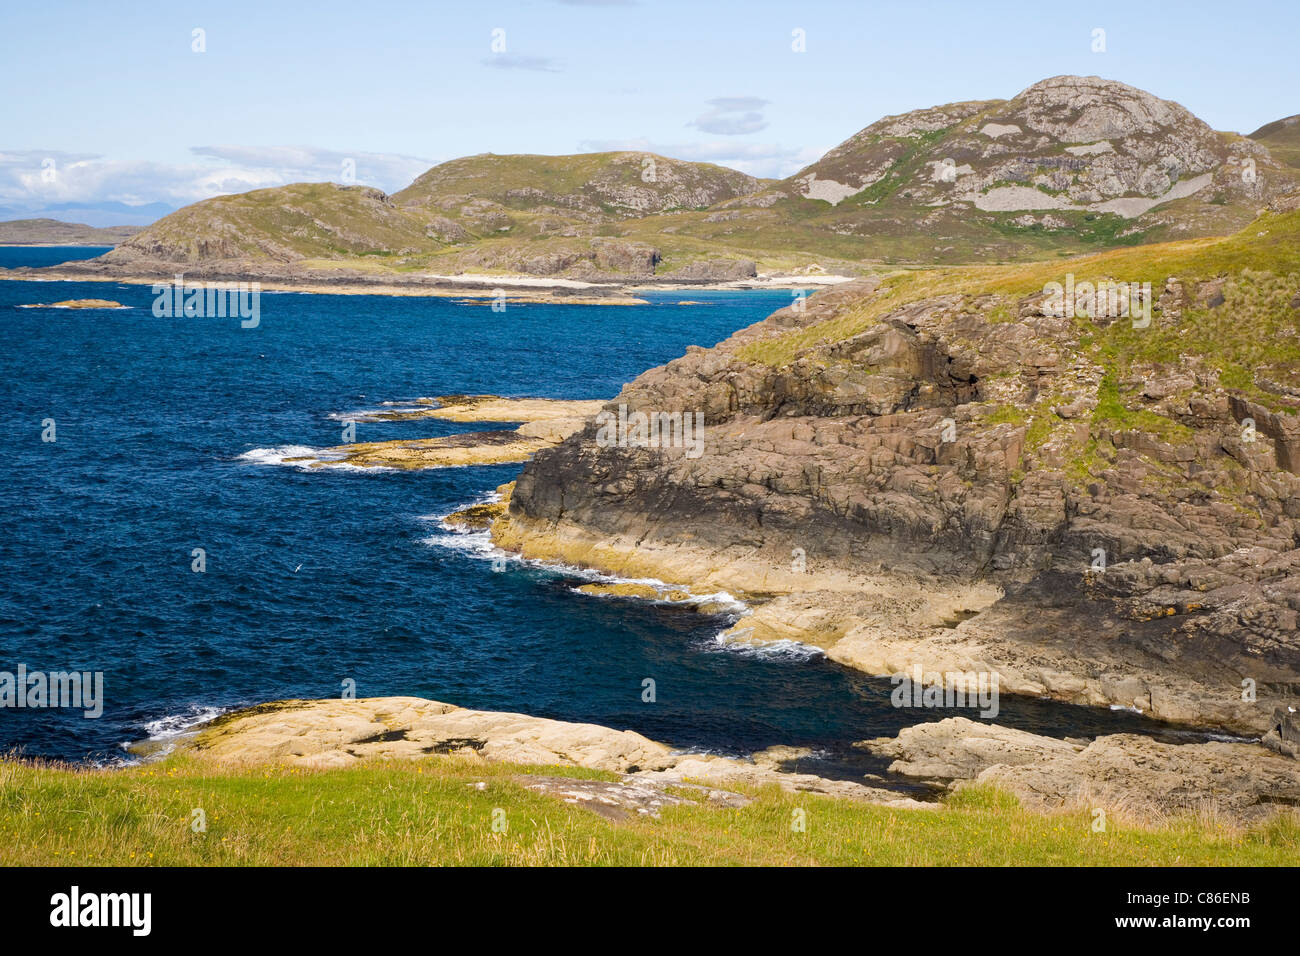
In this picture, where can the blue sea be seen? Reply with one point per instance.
(165, 433)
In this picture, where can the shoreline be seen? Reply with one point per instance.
(1146, 778)
(877, 624)
(518, 288)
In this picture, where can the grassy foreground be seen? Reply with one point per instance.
(433, 812)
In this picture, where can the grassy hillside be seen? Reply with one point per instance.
(1259, 258)
(440, 811)
(1068, 166)
(283, 224)
(1282, 138)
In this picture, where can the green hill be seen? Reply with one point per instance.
(1282, 138)
(1068, 166)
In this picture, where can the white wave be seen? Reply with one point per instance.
(165, 731)
(371, 416)
(279, 454)
(1201, 735)
(1131, 710)
(478, 543)
(305, 458)
(176, 725)
(780, 650)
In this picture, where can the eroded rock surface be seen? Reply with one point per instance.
(948, 482)
(341, 733)
(1137, 775)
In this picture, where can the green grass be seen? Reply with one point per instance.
(1266, 253)
(1111, 410)
(430, 812)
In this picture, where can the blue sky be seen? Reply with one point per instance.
(114, 94)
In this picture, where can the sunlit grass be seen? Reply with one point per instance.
(433, 812)
(1265, 253)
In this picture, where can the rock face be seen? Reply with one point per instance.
(961, 479)
(341, 733)
(1136, 775)
(1078, 146)
(1066, 142)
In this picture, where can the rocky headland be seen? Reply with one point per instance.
(1141, 780)
(544, 422)
(936, 470)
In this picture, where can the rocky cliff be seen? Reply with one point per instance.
(949, 469)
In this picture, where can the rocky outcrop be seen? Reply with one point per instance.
(1080, 145)
(1284, 735)
(545, 421)
(77, 304)
(715, 270)
(962, 480)
(1135, 776)
(342, 733)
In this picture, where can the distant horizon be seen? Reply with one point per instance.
(233, 97)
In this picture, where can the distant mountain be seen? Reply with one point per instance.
(1070, 162)
(534, 214)
(97, 214)
(1282, 138)
(1069, 165)
(34, 232)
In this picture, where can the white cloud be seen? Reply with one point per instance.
(388, 171)
(34, 179)
(732, 116)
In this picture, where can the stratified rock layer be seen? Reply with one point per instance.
(960, 482)
(1135, 775)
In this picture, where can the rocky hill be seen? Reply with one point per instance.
(1069, 165)
(53, 232)
(540, 215)
(951, 469)
(1069, 162)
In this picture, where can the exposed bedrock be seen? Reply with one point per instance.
(941, 475)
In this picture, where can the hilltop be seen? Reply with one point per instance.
(53, 232)
(1282, 139)
(1069, 165)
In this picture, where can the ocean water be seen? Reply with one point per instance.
(166, 430)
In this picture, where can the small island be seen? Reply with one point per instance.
(77, 304)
